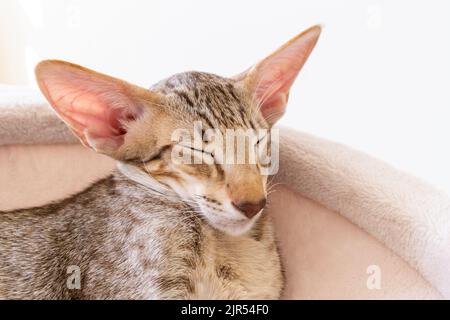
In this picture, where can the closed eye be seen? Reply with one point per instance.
(259, 140)
(198, 150)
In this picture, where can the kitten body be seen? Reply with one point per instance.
(131, 243)
(158, 228)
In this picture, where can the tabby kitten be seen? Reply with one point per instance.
(155, 228)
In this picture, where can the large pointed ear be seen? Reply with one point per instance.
(269, 81)
(96, 107)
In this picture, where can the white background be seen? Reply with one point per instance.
(379, 79)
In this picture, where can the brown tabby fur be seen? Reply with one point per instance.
(130, 241)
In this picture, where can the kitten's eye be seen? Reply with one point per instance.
(198, 150)
(260, 140)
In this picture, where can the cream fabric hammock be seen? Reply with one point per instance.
(349, 226)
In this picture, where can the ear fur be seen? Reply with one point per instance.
(270, 80)
(96, 107)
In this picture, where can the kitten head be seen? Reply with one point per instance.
(136, 126)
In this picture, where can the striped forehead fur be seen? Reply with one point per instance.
(215, 100)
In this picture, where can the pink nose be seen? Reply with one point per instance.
(250, 209)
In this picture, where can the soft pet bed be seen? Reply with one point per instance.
(349, 226)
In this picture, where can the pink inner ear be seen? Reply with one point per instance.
(95, 108)
(275, 75)
(87, 114)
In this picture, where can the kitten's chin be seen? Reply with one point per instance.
(232, 227)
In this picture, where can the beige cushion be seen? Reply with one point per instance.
(337, 211)
(324, 255)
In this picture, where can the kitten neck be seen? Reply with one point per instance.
(136, 175)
